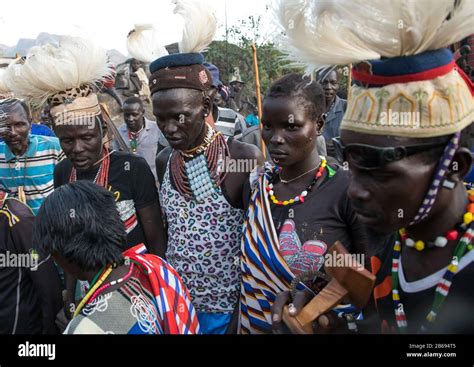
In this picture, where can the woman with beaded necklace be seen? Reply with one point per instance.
(297, 209)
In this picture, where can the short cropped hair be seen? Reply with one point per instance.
(133, 100)
(297, 85)
(10, 104)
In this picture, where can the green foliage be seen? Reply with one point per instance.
(236, 54)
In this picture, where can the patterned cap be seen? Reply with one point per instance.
(419, 96)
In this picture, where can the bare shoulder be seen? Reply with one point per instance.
(161, 162)
(240, 150)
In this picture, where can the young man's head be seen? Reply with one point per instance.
(81, 142)
(135, 65)
(292, 118)
(219, 94)
(237, 86)
(15, 124)
(182, 95)
(134, 113)
(387, 194)
(79, 225)
(46, 116)
(330, 83)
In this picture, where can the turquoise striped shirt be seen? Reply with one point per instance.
(34, 170)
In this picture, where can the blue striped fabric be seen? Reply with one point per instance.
(264, 271)
(34, 170)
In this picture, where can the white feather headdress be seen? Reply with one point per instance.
(143, 43)
(319, 33)
(49, 70)
(200, 25)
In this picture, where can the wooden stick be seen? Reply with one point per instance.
(105, 156)
(349, 82)
(259, 98)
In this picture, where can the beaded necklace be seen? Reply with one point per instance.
(442, 290)
(102, 176)
(200, 176)
(112, 283)
(94, 287)
(301, 197)
(451, 235)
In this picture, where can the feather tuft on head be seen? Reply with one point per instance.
(319, 33)
(200, 25)
(143, 43)
(49, 70)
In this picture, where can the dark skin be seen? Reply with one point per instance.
(378, 196)
(180, 115)
(290, 133)
(19, 126)
(134, 115)
(135, 65)
(83, 146)
(237, 87)
(46, 116)
(330, 86)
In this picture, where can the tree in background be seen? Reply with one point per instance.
(235, 55)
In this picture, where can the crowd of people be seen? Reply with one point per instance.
(182, 224)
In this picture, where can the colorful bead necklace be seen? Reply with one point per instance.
(301, 197)
(451, 235)
(442, 290)
(133, 137)
(112, 283)
(210, 136)
(94, 287)
(102, 176)
(200, 176)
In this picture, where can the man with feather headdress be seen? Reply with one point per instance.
(67, 76)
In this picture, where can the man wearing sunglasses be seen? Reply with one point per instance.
(407, 181)
(403, 140)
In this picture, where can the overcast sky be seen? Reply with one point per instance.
(108, 22)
